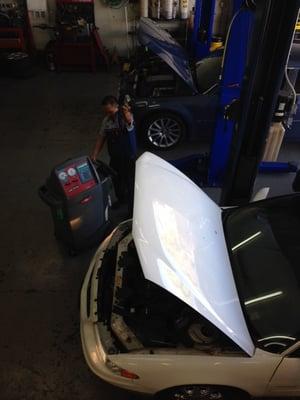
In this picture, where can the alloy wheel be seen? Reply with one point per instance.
(164, 132)
(197, 393)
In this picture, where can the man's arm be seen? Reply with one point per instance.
(128, 117)
(100, 140)
(98, 146)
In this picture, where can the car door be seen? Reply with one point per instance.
(204, 108)
(286, 379)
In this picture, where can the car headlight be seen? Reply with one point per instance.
(120, 371)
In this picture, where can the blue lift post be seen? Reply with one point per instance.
(260, 96)
(230, 87)
(201, 37)
(235, 59)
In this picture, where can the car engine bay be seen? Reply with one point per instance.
(149, 76)
(138, 315)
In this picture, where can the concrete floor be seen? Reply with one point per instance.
(43, 121)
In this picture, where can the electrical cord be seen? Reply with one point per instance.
(287, 78)
(228, 34)
(292, 88)
(287, 75)
(225, 48)
(251, 4)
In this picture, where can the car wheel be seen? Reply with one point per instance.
(199, 393)
(163, 131)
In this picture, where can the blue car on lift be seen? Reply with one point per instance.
(172, 97)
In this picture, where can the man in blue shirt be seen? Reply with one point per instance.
(118, 131)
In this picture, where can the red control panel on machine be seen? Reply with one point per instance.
(76, 178)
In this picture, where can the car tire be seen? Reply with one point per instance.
(195, 392)
(163, 130)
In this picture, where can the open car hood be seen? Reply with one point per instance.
(178, 233)
(163, 45)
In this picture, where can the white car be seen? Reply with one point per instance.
(189, 301)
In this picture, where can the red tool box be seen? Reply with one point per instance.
(15, 29)
(78, 43)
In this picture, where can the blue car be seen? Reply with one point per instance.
(172, 98)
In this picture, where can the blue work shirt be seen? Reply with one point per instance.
(120, 136)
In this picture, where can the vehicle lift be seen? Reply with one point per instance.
(261, 31)
(273, 32)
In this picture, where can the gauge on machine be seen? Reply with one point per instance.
(62, 176)
(71, 171)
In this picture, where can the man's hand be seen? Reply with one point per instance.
(127, 114)
(98, 147)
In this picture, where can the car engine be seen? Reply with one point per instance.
(155, 316)
(144, 315)
(148, 76)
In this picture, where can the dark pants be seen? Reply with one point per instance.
(124, 180)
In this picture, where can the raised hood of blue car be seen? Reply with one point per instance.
(165, 46)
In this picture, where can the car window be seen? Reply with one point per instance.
(264, 245)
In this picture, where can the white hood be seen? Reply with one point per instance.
(178, 233)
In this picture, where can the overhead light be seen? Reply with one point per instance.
(246, 241)
(276, 337)
(266, 297)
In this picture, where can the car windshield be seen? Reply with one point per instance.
(264, 245)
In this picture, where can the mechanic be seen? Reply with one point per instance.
(117, 129)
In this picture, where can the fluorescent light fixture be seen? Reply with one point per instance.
(276, 337)
(266, 297)
(280, 344)
(246, 241)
